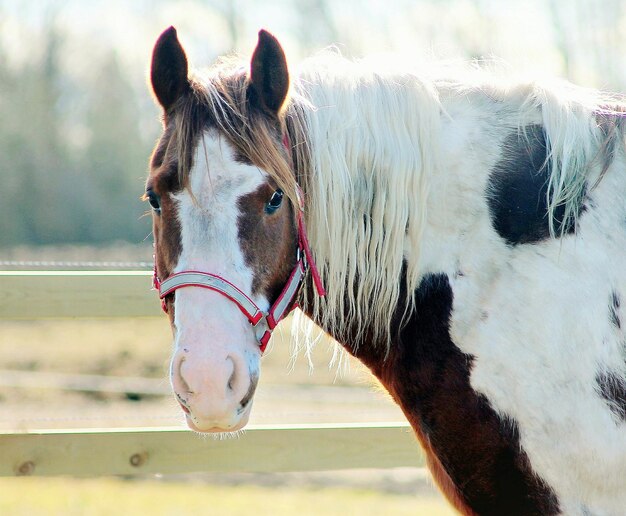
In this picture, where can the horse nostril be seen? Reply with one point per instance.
(232, 378)
(181, 377)
(250, 394)
(183, 404)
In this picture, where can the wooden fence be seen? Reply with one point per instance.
(137, 451)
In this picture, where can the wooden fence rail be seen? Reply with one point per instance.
(44, 294)
(48, 294)
(166, 450)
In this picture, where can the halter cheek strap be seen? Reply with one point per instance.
(263, 322)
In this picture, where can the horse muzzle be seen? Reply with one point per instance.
(214, 387)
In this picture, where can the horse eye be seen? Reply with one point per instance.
(155, 201)
(274, 203)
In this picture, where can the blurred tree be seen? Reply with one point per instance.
(231, 12)
(51, 194)
(317, 25)
(562, 36)
(114, 161)
(33, 159)
(589, 38)
(73, 157)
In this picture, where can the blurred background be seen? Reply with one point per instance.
(77, 125)
(78, 122)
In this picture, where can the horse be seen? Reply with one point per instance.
(458, 230)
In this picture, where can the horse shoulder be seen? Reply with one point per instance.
(474, 453)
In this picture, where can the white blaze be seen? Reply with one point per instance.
(216, 354)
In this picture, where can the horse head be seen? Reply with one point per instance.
(228, 257)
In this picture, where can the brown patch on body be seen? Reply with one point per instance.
(474, 455)
(268, 241)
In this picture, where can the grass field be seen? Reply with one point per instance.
(107, 496)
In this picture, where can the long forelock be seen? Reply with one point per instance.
(219, 100)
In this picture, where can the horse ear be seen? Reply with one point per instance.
(269, 76)
(168, 72)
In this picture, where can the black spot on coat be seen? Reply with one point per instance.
(517, 190)
(612, 388)
(613, 310)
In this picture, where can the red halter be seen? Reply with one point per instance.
(264, 323)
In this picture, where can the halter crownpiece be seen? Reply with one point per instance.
(263, 322)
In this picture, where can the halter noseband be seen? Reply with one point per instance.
(263, 322)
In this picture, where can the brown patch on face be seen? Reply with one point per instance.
(242, 158)
(256, 136)
(164, 181)
(167, 244)
(268, 241)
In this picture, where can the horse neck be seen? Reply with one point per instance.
(421, 367)
(384, 172)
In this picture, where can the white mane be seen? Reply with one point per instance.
(373, 135)
(370, 160)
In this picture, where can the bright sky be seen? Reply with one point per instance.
(518, 31)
